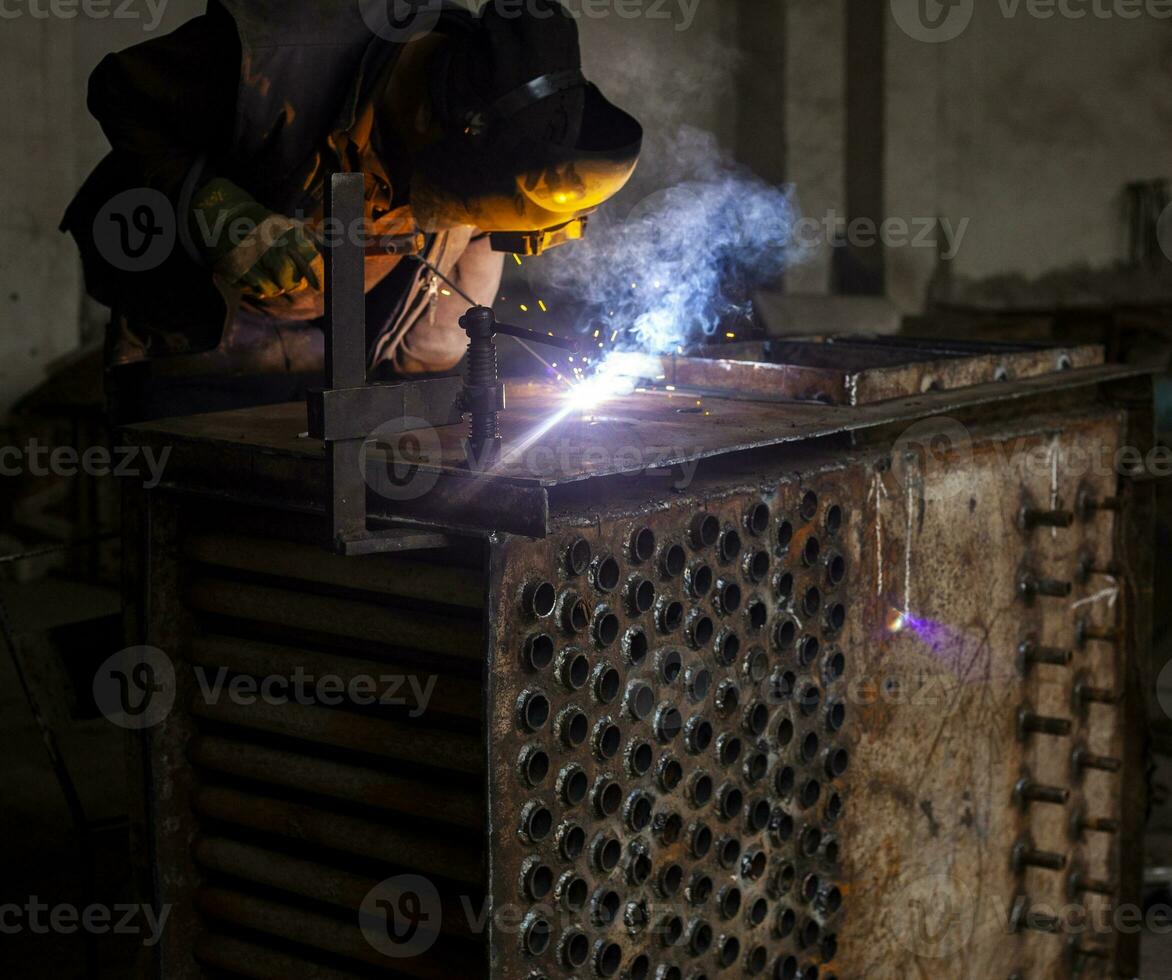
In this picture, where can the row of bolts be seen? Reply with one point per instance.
(1027, 791)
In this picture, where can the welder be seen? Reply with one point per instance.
(477, 136)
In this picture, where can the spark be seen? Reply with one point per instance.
(896, 620)
(731, 336)
(516, 258)
(524, 308)
(544, 308)
(671, 388)
(446, 292)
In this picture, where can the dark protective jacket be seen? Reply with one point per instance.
(273, 96)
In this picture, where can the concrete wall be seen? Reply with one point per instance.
(668, 73)
(38, 279)
(49, 145)
(1029, 128)
(815, 133)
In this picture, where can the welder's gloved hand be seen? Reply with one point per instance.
(250, 248)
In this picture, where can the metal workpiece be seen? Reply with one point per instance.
(1081, 824)
(1027, 792)
(1088, 632)
(858, 370)
(1086, 694)
(1026, 916)
(1082, 759)
(1027, 855)
(236, 450)
(1031, 586)
(360, 785)
(707, 808)
(1032, 518)
(742, 725)
(1031, 723)
(483, 397)
(1080, 883)
(1032, 653)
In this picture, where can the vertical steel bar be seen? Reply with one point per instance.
(345, 308)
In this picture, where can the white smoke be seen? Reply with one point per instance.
(685, 259)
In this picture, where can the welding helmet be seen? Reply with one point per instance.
(529, 147)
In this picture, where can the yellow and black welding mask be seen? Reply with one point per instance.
(527, 165)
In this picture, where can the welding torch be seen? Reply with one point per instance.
(410, 246)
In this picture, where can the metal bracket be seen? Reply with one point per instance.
(345, 414)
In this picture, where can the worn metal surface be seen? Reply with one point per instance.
(265, 454)
(737, 746)
(934, 687)
(941, 741)
(976, 618)
(273, 813)
(852, 371)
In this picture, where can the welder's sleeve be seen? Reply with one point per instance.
(430, 347)
(170, 102)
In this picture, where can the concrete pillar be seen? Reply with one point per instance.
(814, 155)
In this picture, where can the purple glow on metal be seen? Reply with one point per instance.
(953, 647)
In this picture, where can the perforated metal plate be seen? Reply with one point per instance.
(669, 742)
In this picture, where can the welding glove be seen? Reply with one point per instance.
(262, 254)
